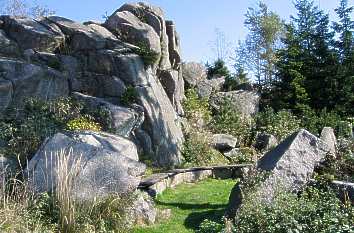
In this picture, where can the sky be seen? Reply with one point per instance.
(196, 20)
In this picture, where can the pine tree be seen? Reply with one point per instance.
(345, 48)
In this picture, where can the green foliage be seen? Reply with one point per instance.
(196, 109)
(218, 69)
(208, 226)
(265, 29)
(83, 123)
(149, 56)
(233, 81)
(24, 132)
(130, 96)
(244, 155)
(341, 165)
(315, 122)
(198, 152)
(229, 121)
(280, 124)
(106, 215)
(314, 211)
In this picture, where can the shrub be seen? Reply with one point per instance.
(208, 226)
(196, 110)
(229, 121)
(314, 122)
(280, 124)
(83, 123)
(314, 211)
(130, 96)
(149, 56)
(244, 155)
(340, 166)
(25, 131)
(198, 152)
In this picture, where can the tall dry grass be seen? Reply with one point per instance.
(24, 210)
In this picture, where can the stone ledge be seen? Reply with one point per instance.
(157, 183)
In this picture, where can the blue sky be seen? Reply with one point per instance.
(196, 20)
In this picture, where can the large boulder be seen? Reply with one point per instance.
(122, 120)
(130, 28)
(223, 142)
(290, 166)
(127, 67)
(94, 164)
(245, 102)
(20, 81)
(98, 85)
(328, 136)
(32, 34)
(193, 73)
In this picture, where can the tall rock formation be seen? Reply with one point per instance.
(135, 48)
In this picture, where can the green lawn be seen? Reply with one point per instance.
(191, 204)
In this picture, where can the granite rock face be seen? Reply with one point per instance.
(31, 34)
(20, 81)
(102, 63)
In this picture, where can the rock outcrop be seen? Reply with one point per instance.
(136, 48)
(245, 102)
(96, 165)
(290, 166)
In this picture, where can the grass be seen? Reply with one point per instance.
(191, 204)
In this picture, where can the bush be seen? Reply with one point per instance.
(198, 152)
(130, 96)
(83, 123)
(339, 166)
(280, 124)
(196, 110)
(229, 121)
(24, 133)
(149, 56)
(314, 211)
(208, 226)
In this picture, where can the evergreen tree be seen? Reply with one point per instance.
(345, 69)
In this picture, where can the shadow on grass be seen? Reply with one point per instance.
(194, 219)
(212, 212)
